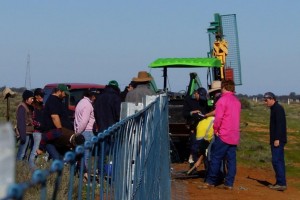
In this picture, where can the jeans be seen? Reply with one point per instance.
(53, 153)
(278, 163)
(87, 136)
(104, 154)
(220, 151)
(23, 148)
(37, 136)
(198, 148)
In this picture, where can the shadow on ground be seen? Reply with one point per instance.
(263, 182)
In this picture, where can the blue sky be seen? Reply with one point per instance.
(97, 41)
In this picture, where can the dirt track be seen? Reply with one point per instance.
(250, 183)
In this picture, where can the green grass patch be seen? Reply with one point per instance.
(254, 149)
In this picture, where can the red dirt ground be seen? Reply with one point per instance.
(250, 183)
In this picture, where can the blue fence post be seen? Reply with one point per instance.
(15, 191)
(95, 142)
(56, 166)
(40, 177)
(70, 158)
(80, 155)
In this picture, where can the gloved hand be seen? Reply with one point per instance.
(201, 116)
(198, 117)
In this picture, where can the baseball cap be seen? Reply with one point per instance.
(114, 83)
(269, 95)
(63, 88)
(202, 93)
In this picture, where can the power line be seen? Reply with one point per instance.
(27, 77)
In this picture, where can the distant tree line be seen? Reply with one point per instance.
(292, 95)
(282, 98)
(18, 90)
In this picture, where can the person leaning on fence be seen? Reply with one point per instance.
(24, 123)
(84, 120)
(37, 118)
(142, 88)
(278, 139)
(227, 135)
(194, 109)
(57, 138)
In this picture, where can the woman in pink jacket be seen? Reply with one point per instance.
(84, 120)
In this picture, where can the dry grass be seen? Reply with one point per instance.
(254, 149)
(23, 174)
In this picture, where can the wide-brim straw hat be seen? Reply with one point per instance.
(216, 85)
(143, 76)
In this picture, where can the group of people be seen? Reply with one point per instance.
(216, 141)
(44, 127)
(47, 127)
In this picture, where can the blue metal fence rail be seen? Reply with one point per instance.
(130, 160)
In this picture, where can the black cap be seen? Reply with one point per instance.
(39, 92)
(202, 93)
(27, 94)
(269, 95)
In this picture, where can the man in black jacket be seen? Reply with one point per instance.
(107, 106)
(278, 139)
(107, 112)
(194, 109)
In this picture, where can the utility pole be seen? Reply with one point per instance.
(27, 77)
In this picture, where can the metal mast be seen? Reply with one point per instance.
(223, 31)
(27, 77)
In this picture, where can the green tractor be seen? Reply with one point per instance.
(178, 129)
(222, 62)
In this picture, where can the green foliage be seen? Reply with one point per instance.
(245, 103)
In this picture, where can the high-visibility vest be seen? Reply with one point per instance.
(205, 129)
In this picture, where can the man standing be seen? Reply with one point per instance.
(278, 139)
(227, 135)
(37, 118)
(108, 106)
(59, 134)
(107, 112)
(128, 88)
(56, 114)
(141, 89)
(193, 108)
(24, 123)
